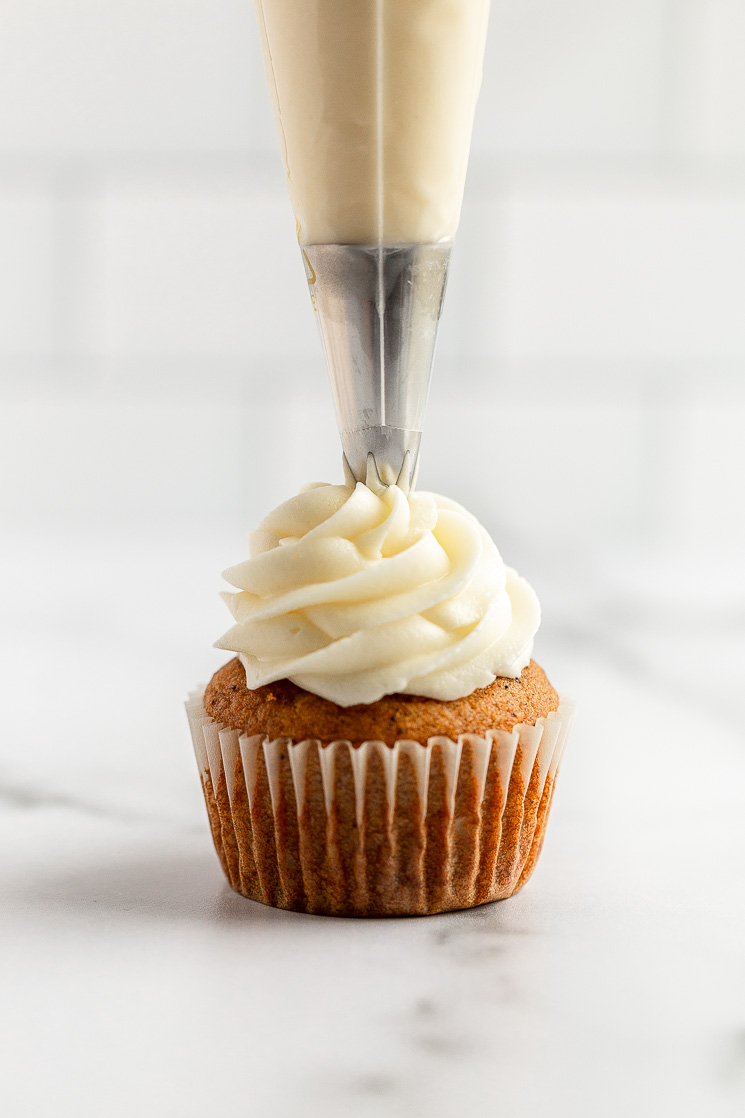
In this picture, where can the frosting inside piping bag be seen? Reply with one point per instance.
(374, 102)
(354, 594)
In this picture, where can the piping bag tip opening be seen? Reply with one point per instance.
(380, 477)
(378, 310)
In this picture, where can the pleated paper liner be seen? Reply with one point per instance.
(378, 830)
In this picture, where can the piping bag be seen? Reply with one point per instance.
(374, 103)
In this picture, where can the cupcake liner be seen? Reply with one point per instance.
(378, 830)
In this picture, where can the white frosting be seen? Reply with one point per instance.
(354, 594)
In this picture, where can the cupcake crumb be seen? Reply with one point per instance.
(283, 710)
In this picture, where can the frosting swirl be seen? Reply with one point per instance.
(354, 594)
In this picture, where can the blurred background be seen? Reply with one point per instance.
(162, 384)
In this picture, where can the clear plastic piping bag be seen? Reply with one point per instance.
(374, 102)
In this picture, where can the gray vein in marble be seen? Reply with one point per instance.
(378, 1085)
(27, 797)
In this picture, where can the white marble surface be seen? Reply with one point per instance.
(134, 982)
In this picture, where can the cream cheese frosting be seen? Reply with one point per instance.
(374, 103)
(354, 594)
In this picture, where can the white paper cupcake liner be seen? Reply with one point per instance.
(377, 829)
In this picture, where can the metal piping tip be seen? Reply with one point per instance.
(378, 310)
(405, 479)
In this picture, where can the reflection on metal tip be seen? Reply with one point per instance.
(378, 311)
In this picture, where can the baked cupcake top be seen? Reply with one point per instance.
(353, 595)
(281, 710)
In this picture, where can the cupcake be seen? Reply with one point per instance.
(382, 743)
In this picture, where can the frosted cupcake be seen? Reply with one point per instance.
(382, 744)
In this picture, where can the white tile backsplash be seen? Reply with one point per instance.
(26, 269)
(652, 271)
(199, 271)
(158, 353)
(711, 80)
(574, 76)
(109, 460)
(708, 503)
(726, 77)
(87, 75)
(113, 453)
(536, 469)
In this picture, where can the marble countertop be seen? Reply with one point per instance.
(134, 982)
